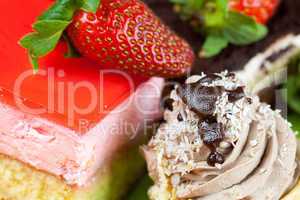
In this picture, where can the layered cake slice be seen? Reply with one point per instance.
(70, 131)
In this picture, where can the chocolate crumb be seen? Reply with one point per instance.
(231, 75)
(179, 117)
(215, 158)
(236, 94)
(211, 133)
(168, 104)
(249, 100)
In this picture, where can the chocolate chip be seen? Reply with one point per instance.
(215, 158)
(168, 104)
(231, 75)
(249, 100)
(200, 99)
(179, 117)
(211, 132)
(210, 78)
(235, 95)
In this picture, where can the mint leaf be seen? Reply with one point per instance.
(213, 45)
(188, 9)
(214, 13)
(90, 5)
(222, 5)
(242, 30)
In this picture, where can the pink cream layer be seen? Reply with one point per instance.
(75, 157)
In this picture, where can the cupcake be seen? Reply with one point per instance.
(278, 67)
(219, 141)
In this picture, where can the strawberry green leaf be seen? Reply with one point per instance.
(90, 5)
(46, 37)
(213, 45)
(61, 10)
(242, 30)
(48, 29)
(34, 62)
(72, 52)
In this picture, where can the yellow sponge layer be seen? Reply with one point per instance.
(20, 182)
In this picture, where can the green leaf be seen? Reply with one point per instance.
(48, 29)
(293, 93)
(90, 5)
(295, 121)
(222, 5)
(214, 13)
(213, 45)
(178, 1)
(61, 10)
(141, 190)
(242, 30)
(72, 52)
(34, 62)
(45, 39)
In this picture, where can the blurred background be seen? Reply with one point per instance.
(286, 20)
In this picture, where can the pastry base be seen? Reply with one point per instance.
(294, 194)
(18, 181)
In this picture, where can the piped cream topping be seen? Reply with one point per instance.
(258, 148)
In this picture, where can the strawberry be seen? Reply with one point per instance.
(127, 35)
(260, 10)
(224, 22)
(123, 34)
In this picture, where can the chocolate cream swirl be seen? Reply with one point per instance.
(245, 150)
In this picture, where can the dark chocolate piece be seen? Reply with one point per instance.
(235, 95)
(249, 100)
(179, 117)
(168, 104)
(214, 158)
(211, 132)
(231, 75)
(200, 99)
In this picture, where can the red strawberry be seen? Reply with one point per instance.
(127, 35)
(223, 22)
(122, 34)
(260, 10)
